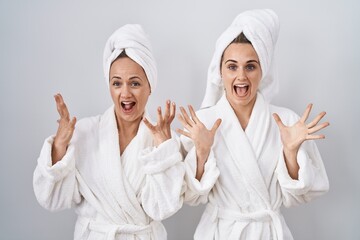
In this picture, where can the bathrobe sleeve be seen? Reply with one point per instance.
(312, 180)
(55, 185)
(162, 193)
(197, 192)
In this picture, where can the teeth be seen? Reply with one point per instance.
(241, 85)
(126, 102)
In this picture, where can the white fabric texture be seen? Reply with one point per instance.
(246, 180)
(115, 197)
(132, 39)
(261, 27)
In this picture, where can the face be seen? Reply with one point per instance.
(241, 74)
(129, 89)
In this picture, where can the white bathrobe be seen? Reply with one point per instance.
(246, 180)
(115, 197)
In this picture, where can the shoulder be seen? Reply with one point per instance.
(87, 123)
(207, 115)
(85, 128)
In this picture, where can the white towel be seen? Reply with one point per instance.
(261, 27)
(132, 39)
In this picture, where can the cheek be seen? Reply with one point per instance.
(256, 78)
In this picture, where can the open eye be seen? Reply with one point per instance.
(250, 67)
(232, 67)
(116, 83)
(135, 84)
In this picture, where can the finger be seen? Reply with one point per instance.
(172, 112)
(186, 117)
(306, 113)
(319, 127)
(167, 110)
(148, 124)
(61, 107)
(316, 120)
(182, 132)
(216, 125)
(159, 117)
(315, 137)
(193, 114)
(183, 122)
(278, 120)
(73, 122)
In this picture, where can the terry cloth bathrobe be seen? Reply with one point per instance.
(115, 197)
(246, 181)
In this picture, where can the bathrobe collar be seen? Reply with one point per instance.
(246, 147)
(112, 170)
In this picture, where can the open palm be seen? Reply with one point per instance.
(293, 136)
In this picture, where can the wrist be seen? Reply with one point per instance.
(202, 154)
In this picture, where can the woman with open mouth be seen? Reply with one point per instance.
(122, 172)
(255, 157)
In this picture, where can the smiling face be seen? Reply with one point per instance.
(241, 74)
(129, 89)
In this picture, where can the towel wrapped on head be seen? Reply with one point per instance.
(132, 39)
(261, 28)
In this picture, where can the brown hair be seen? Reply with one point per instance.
(241, 38)
(122, 54)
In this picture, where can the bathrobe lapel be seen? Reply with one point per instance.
(120, 192)
(245, 149)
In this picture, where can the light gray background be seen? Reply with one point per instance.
(56, 46)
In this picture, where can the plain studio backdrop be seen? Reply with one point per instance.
(57, 46)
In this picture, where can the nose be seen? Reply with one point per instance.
(125, 91)
(241, 75)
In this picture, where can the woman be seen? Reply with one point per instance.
(122, 173)
(249, 163)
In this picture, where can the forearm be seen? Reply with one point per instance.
(57, 152)
(291, 163)
(201, 158)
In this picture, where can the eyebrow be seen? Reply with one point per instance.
(131, 78)
(234, 61)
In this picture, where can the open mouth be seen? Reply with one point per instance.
(127, 106)
(241, 89)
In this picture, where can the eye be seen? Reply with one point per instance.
(135, 84)
(250, 67)
(116, 83)
(232, 67)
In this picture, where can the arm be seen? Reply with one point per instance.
(200, 164)
(293, 136)
(54, 177)
(164, 186)
(55, 186)
(162, 194)
(300, 171)
(202, 137)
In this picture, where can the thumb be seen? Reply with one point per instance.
(216, 125)
(278, 120)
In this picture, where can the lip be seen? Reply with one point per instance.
(127, 107)
(245, 90)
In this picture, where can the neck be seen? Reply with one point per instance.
(127, 131)
(128, 128)
(243, 112)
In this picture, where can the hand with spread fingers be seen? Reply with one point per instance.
(293, 136)
(162, 130)
(202, 137)
(64, 132)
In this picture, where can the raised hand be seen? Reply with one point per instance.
(293, 136)
(65, 130)
(162, 131)
(202, 137)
